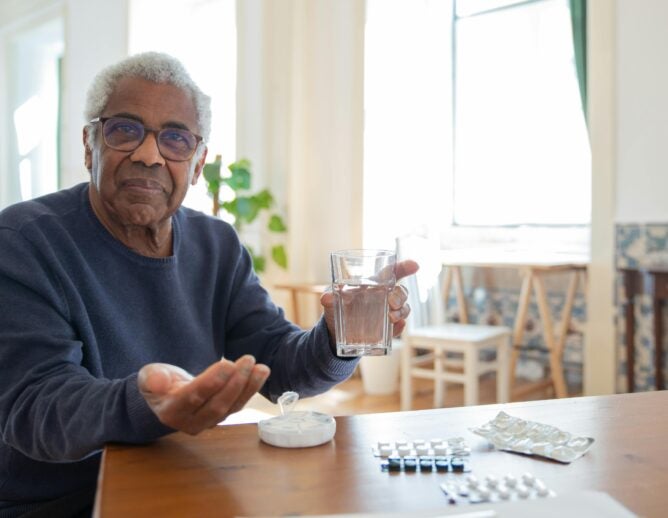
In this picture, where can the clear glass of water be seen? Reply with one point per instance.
(361, 282)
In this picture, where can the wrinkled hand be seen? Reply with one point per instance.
(399, 308)
(192, 404)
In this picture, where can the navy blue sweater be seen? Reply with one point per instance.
(80, 314)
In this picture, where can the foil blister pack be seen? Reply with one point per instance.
(532, 438)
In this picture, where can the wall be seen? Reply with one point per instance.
(95, 36)
(642, 111)
(641, 208)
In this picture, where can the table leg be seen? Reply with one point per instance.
(658, 341)
(447, 284)
(630, 330)
(406, 380)
(520, 322)
(556, 366)
(461, 298)
(502, 368)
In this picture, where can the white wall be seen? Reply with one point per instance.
(95, 36)
(642, 111)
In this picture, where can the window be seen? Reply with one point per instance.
(202, 34)
(34, 100)
(521, 147)
(473, 115)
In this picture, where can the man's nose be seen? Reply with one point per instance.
(148, 152)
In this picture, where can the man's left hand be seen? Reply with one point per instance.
(399, 308)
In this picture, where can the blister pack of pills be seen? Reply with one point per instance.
(476, 490)
(453, 446)
(531, 438)
(424, 456)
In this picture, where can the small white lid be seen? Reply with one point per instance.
(296, 429)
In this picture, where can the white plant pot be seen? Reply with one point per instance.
(380, 374)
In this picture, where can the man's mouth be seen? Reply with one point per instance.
(143, 185)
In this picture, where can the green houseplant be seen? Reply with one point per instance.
(245, 207)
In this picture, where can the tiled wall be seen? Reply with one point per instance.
(638, 245)
(498, 306)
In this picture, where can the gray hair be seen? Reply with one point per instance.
(156, 67)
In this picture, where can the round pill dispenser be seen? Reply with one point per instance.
(296, 429)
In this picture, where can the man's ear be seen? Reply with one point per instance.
(199, 166)
(88, 152)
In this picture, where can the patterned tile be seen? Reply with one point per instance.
(638, 245)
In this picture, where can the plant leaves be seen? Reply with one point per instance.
(211, 171)
(279, 256)
(264, 199)
(276, 224)
(211, 174)
(239, 181)
(241, 176)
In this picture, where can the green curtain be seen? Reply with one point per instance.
(579, 25)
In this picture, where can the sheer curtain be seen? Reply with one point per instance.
(300, 120)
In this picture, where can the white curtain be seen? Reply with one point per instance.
(300, 121)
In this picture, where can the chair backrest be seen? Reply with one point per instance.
(425, 288)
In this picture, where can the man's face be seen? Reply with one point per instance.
(141, 187)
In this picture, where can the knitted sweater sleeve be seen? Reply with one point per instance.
(52, 408)
(300, 361)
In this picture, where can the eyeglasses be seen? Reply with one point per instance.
(175, 144)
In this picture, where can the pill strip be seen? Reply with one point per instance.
(492, 489)
(426, 464)
(453, 447)
(510, 433)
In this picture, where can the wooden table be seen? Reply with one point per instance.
(534, 268)
(227, 471)
(654, 281)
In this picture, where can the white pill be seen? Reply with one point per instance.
(543, 491)
(504, 494)
(510, 480)
(422, 449)
(491, 481)
(472, 481)
(385, 451)
(528, 479)
(441, 449)
(522, 492)
(434, 442)
(484, 493)
(384, 443)
(401, 442)
(403, 450)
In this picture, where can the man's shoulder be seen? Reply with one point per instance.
(54, 205)
(196, 219)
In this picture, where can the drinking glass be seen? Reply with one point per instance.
(361, 282)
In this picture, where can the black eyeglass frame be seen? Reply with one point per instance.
(156, 132)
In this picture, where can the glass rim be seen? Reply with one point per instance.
(363, 252)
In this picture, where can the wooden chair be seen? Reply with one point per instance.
(455, 353)
(446, 352)
(299, 291)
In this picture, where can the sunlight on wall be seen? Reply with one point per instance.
(33, 101)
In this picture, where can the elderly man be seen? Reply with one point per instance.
(112, 294)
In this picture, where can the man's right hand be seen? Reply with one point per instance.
(192, 404)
